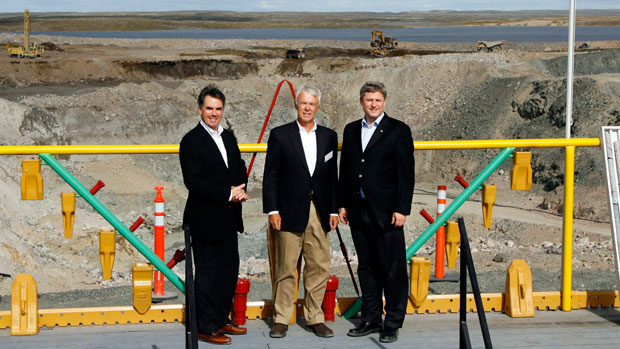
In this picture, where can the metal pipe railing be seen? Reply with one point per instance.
(568, 144)
(261, 148)
(567, 230)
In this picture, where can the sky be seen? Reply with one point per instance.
(282, 5)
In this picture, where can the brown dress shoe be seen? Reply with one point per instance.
(278, 331)
(215, 338)
(322, 330)
(233, 329)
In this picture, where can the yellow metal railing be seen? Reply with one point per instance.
(261, 148)
(567, 236)
(568, 144)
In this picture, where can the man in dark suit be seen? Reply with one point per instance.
(299, 194)
(215, 176)
(376, 183)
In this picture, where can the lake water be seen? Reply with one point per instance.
(414, 34)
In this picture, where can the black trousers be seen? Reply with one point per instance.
(217, 269)
(382, 270)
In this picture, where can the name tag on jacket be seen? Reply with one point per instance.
(329, 156)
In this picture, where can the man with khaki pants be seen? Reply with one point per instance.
(299, 194)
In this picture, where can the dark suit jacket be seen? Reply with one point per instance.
(287, 183)
(208, 212)
(385, 171)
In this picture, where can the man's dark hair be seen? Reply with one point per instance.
(212, 91)
(373, 86)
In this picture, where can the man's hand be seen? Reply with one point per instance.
(275, 221)
(333, 222)
(398, 219)
(343, 216)
(239, 194)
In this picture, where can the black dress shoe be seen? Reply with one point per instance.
(364, 329)
(388, 335)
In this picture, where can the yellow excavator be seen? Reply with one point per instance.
(381, 44)
(29, 50)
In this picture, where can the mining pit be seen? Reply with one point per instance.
(124, 91)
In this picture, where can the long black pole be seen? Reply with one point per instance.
(191, 327)
(345, 254)
(466, 253)
(464, 342)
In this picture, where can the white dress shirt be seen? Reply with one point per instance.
(367, 131)
(217, 138)
(308, 141)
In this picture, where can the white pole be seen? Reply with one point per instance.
(569, 74)
(569, 174)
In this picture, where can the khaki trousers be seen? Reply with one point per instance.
(313, 244)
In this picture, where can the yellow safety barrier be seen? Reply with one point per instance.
(568, 143)
(31, 181)
(420, 275)
(261, 148)
(519, 294)
(68, 212)
(24, 306)
(489, 192)
(167, 313)
(142, 274)
(107, 252)
(117, 315)
(521, 175)
(453, 239)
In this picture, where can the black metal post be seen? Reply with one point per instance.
(464, 342)
(191, 330)
(345, 254)
(466, 255)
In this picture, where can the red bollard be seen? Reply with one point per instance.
(158, 277)
(329, 301)
(240, 301)
(440, 234)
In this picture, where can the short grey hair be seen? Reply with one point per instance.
(373, 86)
(311, 90)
